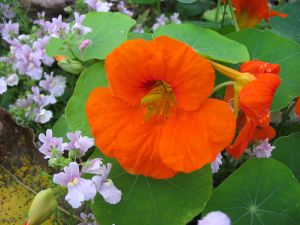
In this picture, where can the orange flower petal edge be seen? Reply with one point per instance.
(156, 118)
(297, 107)
(249, 13)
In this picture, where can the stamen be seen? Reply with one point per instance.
(159, 101)
(73, 182)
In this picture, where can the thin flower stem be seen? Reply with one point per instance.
(220, 86)
(34, 192)
(237, 28)
(218, 10)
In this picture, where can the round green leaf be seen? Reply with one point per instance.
(260, 192)
(90, 78)
(109, 30)
(206, 42)
(287, 152)
(266, 46)
(147, 201)
(56, 47)
(288, 27)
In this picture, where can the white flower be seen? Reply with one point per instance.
(215, 165)
(215, 218)
(263, 150)
(3, 85)
(12, 80)
(43, 116)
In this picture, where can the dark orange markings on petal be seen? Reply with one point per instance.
(249, 13)
(156, 118)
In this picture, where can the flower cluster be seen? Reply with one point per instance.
(27, 58)
(163, 20)
(32, 106)
(99, 5)
(79, 189)
(6, 11)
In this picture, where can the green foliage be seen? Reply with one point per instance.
(287, 152)
(143, 1)
(187, 1)
(262, 191)
(266, 46)
(206, 42)
(90, 78)
(109, 30)
(60, 127)
(57, 47)
(188, 8)
(289, 26)
(148, 201)
(145, 36)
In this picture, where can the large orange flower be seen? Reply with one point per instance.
(255, 99)
(249, 13)
(156, 118)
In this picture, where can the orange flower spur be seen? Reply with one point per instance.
(249, 13)
(259, 81)
(156, 118)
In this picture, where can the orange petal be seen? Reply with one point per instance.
(256, 67)
(261, 133)
(134, 67)
(256, 97)
(192, 139)
(297, 107)
(120, 131)
(242, 141)
(276, 13)
(229, 93)
(249, 13)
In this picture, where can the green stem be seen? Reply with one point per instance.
(218, 10)
(225, 84)
(34, 192)
(233, 16)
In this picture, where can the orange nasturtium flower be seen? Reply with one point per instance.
(255, 95)
(156, 117)
(249, 13)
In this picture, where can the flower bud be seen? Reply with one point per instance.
(41, 207)
(70, 65)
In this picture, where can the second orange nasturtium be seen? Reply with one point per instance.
(249, 13)
(156, 117)
(255, 99)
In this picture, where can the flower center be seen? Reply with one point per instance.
(159, 101)
(73, 182)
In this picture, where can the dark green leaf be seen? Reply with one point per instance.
(109, 30)
(206, 42)
(288, 152)
(56, 47)
(288, 27)
(148, 201)
(260, 192)
(90, 78)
